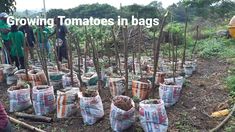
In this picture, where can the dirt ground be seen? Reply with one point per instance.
(201, 94)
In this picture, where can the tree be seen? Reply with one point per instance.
(7, 6)
(57, 12)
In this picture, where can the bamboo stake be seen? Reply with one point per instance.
(32, 128)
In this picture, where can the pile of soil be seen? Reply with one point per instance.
(153, 102)
(89, 93)
(40, 88)
(18, 87)
(123, 103)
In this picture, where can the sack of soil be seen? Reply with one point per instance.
(160, 78)
(56, 79)
(153, 116)
(38, 77)
(141, 89)
(11, 79)
(117, 86)
(91, 107)
(90, 78)
(178, 80)
(169, 93)
(43, 99)
(66, 80)
(122, 114)
(19, 97)
(67, 102)
(9, 69)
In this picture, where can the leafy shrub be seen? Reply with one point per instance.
(216, 47)
(230, 82)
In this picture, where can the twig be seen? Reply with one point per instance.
(224, 121)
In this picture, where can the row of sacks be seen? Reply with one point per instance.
(152, 114)
(169, 90)
(43, 99)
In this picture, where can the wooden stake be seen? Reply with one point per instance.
(33, 117)
(156, 56)
(32, 128)
(185, 37)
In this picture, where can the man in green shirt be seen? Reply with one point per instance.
(42, 33)
(17, 41)
(4, 30)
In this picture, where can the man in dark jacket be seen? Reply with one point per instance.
(30, 39)
(61, 41)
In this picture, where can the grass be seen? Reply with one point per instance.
(216, 47)
(230, 82)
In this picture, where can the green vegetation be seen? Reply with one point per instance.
(216, 47)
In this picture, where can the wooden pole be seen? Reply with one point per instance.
(194, 47)
(32, 128)
(33, 117)
(185, 37)
(139, 50)
(156, 56)
(124, 33)
(77, 45)
(70, 60)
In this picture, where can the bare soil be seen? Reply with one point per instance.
(203, 92)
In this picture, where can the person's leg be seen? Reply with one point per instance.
(64, 53)
(12, 59)
(59, 53)
(21, 59)
(31, 52)
(48, 49)
(7, 51)
(16, 59)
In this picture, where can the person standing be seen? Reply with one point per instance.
(42, 33)
(4, 30)
(30, 39)
(61, 41)
(5, 125)
(17, 42)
